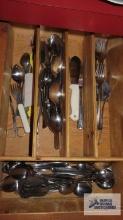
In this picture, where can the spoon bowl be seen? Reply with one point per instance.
(81, 188)
(17, 74)
(25, 62)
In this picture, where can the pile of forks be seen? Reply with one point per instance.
(102, 85)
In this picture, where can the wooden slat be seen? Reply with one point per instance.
(89, 97)
(115, 76)
(36, 76)
(6, 44)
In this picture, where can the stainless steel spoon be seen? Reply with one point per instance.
(18, 74)
(25, 63)
(9, 184)
(81, 188)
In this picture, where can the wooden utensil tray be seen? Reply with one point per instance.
(76, 144)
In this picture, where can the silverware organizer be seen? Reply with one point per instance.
(76, 144)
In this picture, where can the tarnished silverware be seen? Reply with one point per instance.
(100, 53)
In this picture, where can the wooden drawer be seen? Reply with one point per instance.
(55, 204)
(77, 145)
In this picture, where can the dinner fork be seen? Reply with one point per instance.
(17, 93)
(101, 46)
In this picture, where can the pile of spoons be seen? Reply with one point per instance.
(51, 85)
(38, 179)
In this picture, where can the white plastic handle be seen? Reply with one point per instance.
(24, 118)
(74, 102)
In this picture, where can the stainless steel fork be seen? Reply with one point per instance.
(17, 93)
(101, 46)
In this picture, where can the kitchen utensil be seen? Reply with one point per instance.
(45, 77)
(13, 117)
(57, 66)
(55, 45)
(73, 172)
(25, 63)
(65, 187)
(105, 183)
(74, 68)
(55, 92)
(9, 184)
(18, 74)
(7, 166)
(80, 122)
(76, 88)
(81, 188)
(33, 186)
(55, 120)
(17, 93)
(104, 178)
(19, 172)
(101, 46)
(48, 165)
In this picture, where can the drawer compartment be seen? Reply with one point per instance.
(55, 202)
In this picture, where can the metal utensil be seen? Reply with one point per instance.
(55, 92)
(55, 45)
(17, 93)
(57, 65)
(104, 178)
(100, 53)
(55, 119)
(7, 166)
(65, 187)
(18, 74)
(19, 172)
(33, 186)
(81, 188)
(80, 122)
(9, 184)
(105, 183)
(48, 165)
(25, 63)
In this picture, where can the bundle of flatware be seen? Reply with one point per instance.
(21, 92)
(51, 85)
(102, 85)
(41, 178)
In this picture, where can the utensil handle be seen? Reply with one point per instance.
(56, 140)
(80, 123)
(74, 102)
(24, 118)
(13, 115)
